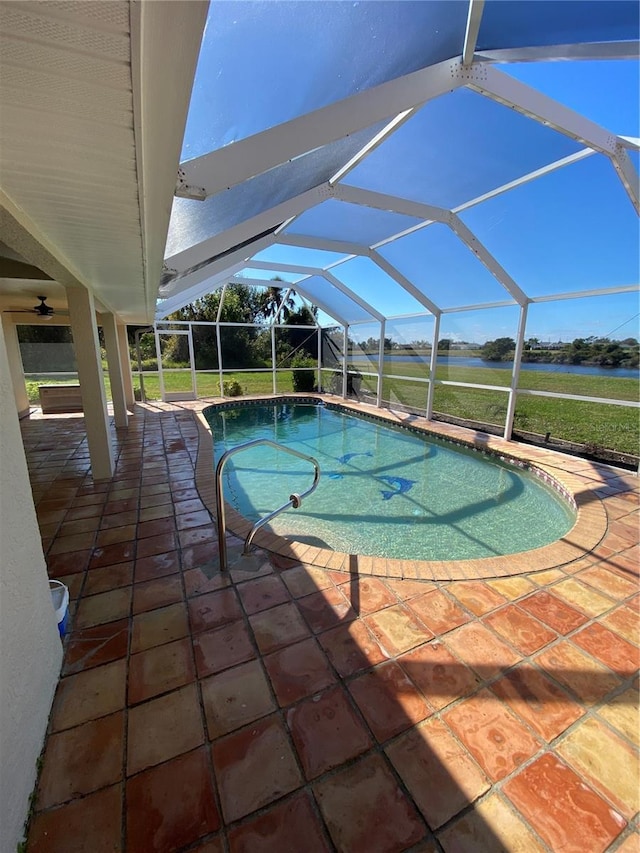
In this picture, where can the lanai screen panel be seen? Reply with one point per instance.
(513, 23)
(574, 229)
(194, 221)
(444, 268)
(331, 299)
(458, 147)
(353, 223)
(371, 283)
(265, 63)
(581, 87)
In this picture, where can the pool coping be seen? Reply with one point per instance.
(587, 532)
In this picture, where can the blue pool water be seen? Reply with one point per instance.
(383, 491)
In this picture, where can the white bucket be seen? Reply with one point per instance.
(60, 600)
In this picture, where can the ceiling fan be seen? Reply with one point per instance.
(42, 310)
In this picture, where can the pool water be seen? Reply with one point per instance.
(384, 491)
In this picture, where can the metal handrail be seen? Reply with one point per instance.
(294, 500)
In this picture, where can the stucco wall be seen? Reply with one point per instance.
(30, 649)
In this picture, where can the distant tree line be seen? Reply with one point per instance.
(591, 351)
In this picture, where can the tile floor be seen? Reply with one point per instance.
(284, 707)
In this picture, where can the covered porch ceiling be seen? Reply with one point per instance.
(93, 100)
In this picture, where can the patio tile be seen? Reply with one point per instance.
(608, 582)
(291, 825)
(566, 813)
(154, 513)
(498, 741)
(205, 579)
(77, 542)
(623, 713)
(160, 669)
(88, 695)
(351, 648)
(116, 534)
(91, 824)
(476, 596)
(624, 621)
(298, 671)
(388, 700)
(490, 826)
(108, 555)
(481, 650)
(326, 732)
(172, 805)
(163, 728)
(439, 675)
(512, 588)
(538, 700)
(366, 594)
(96, 646)
(397, 629)
(105, 607)
(609, 648)
(119, 519)
(222, 648)
(585, 677)
(253, 767)
(67, 564)
(553, 612)
(156, 566)
(159, 592)
(438, 611)
(159, 626)
(520, 629)
(262, 593)
(213, 610)
(365, 809)
(236, 697)
(159, 544)
(155, 527)
(186, 520)
(81, 760)
(607, 763)
(583, 597)
(197, 536)
(430, 751)
(325, 609)
(108, 578)
(278, 627)
(305, 580)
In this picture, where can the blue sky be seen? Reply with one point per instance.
(573, 230)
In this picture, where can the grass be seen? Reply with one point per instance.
(599, 425)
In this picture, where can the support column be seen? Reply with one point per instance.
(14, 360)
(85, 339)
(31, 648)
(108, 323)
(515, 376)
(433, 366)
(125, 361)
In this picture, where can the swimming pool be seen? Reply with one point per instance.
(384, 491)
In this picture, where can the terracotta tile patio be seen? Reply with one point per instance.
(287, 707)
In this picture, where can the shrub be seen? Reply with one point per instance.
(232, 388)
(303, 380)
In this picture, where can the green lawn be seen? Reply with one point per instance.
(612, 427)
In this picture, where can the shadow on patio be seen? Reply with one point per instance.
(284, 707)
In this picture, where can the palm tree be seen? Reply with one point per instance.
(272, 299)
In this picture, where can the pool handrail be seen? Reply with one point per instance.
(294, 500)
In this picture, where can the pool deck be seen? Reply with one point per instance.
(287, 706)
